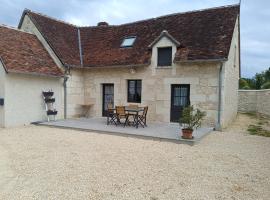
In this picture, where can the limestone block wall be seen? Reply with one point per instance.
(75, 93)
(230, 82)
(156, 86)
(156, 89)
(254, 101)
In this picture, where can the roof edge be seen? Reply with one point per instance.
(164, 34)
(134, 22)
(112, 66)
(173, 14)
(202, 60)
(15, 29)
(4, 66)
(36, 74)
(39, 30)
(26, 10)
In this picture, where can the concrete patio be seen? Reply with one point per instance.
(154, 130)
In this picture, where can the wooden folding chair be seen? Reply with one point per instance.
(121, 114)
(111, 115)
(142, 117)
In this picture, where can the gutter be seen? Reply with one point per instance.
(202, 60)
(110, 67)
(35, 74)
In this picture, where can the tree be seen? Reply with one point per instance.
(243, 84)
(266, 85)
(259, 81)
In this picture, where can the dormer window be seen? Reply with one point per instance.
(128, 41)
(164, 56)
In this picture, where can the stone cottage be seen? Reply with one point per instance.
(166, 63)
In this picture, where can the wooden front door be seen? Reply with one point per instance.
(108, 96)
(180, 98)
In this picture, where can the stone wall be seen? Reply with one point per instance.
(230, 82)
(75, 93)
(156, 85)
(254, 101)
(84, 86)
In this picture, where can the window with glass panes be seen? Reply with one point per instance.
(134, 91)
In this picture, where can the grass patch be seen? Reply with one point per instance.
(251, 114)
(258, 130)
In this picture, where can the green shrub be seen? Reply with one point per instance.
(191, 118)
(266, 85)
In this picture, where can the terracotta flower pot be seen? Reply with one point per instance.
(187, 133)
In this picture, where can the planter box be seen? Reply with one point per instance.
(51, 112)
(47, 94)
(52, 100)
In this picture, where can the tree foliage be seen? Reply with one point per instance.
(259, 81)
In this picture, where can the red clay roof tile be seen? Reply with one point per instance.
(203, 35)
(22, 52)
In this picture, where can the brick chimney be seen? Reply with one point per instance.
(102, 24)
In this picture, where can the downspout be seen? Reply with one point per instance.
(65, 91)
(67, 73)
(218, 125)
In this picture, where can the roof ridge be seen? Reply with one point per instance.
(168, 15)
(15, 29)
(179, 13)
(52, 18)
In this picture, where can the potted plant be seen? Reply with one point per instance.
(191, 119)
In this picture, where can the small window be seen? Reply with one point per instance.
(134, 91)
(165, 56)
(128, 42)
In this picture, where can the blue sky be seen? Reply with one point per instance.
(255, 19)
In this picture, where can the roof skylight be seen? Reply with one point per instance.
(128, 41)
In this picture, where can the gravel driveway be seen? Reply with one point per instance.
(49, 163)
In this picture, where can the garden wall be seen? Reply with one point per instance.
(254, 101)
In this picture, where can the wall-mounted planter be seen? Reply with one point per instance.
(2, 101)
(47, 94)
(52, 100)
(51, 112)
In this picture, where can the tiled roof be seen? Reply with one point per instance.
(22, 52)
(61, 36)
(203, 35)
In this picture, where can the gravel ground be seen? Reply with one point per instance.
(48, 163)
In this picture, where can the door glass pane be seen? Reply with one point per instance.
(183, 101)
(177, 91)
(108, 96)
(176, 101)
(183, 91)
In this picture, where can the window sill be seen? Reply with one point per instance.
(164, 67)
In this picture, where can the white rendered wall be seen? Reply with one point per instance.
(2, 94)
(24, 103)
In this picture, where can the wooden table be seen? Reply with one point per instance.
(134, 111)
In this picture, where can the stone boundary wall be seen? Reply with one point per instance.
(254, 101)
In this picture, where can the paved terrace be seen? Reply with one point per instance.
(154, 130)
